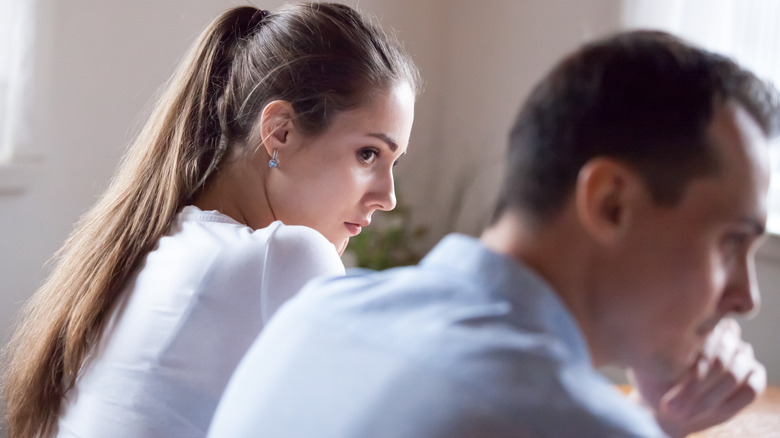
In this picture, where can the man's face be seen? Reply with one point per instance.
(681, 269)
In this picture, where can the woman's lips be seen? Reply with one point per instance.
(354, 229)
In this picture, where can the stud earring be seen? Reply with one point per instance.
(274, 162)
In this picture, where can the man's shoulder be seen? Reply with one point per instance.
(473, 351)
(402, 289)
(439, 318)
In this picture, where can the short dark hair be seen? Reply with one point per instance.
(643, 97)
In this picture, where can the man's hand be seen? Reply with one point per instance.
(725, 379)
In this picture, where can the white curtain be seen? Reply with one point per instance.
(746, 30)
(17, 59)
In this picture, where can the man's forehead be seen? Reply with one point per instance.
(739, 140)
(737, 193)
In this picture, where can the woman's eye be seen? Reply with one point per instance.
(368, 155)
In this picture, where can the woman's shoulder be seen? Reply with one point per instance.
(299, 236)
(283, 242)
(297, 242)
(191, 213)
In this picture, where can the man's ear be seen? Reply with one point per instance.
(606, 198)
(276, 125)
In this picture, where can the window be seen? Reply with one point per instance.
(746, 30)
(17, 62)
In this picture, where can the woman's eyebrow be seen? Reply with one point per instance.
(390, 142)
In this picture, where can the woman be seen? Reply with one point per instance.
(274, 126)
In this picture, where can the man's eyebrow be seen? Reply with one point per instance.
(758, 227)
(390, 142)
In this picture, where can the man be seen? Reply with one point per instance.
(634, 197)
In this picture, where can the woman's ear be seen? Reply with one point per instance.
(606, 196)
(275, 125)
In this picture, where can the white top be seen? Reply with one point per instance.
(468, 344)
(185, 320)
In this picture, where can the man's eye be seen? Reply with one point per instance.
(737, 240)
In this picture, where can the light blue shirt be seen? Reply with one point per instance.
(467, 344)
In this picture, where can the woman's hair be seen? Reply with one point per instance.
(323, 58)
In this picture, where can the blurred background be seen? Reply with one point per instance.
(86, 72)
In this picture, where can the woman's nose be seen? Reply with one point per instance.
(382, 193)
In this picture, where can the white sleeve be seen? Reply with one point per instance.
(295, 255)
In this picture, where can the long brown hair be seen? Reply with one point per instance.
(322, 58)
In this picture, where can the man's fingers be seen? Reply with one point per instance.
(757, 379)
(736, 402)
(723, 343)
(727, 377)
(716, 397)
(723, 373)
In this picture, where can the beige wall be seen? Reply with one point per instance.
(105, 59)
(494, 52)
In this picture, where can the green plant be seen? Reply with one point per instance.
(389, 242)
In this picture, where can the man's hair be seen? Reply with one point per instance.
(645, 98)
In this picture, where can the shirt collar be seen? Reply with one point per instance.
(534, 302)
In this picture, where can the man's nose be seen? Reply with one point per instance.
(742, 294)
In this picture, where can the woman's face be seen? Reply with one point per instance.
(334, 181)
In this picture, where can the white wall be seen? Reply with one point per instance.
(761, 330)
(479, 59)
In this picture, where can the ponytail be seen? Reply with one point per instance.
(63, 320)
(323, 58)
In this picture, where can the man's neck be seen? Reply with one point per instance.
(559, 252)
